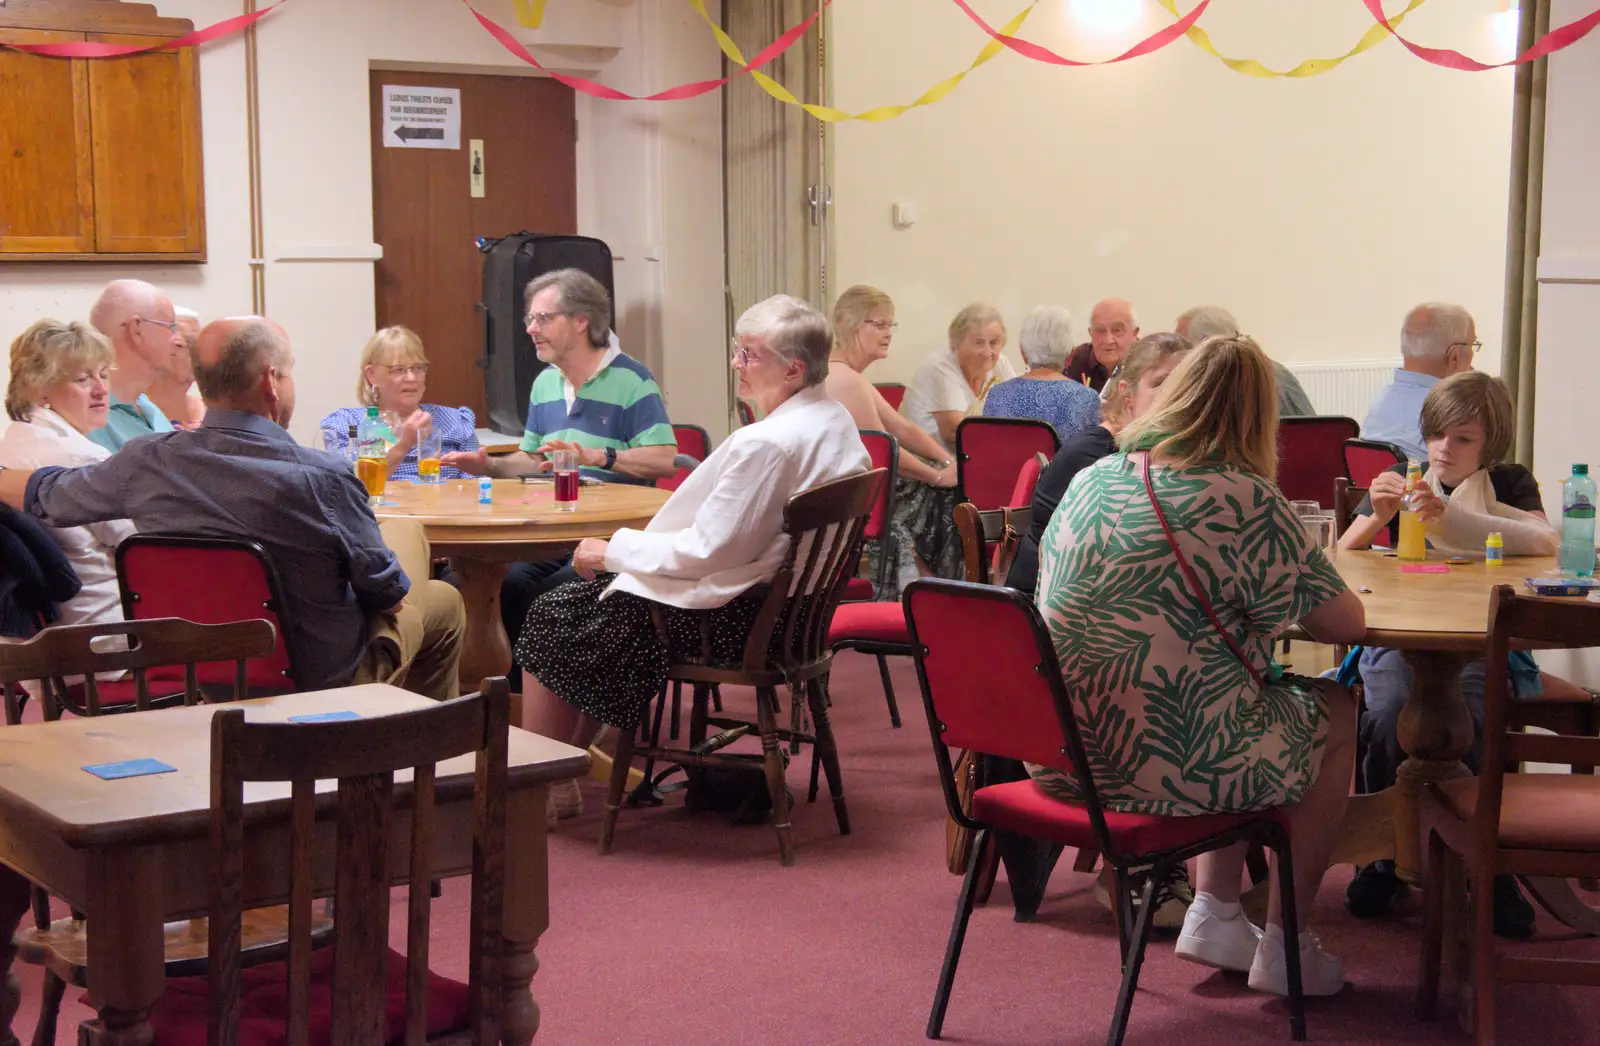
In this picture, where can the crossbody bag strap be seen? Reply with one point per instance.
(1194, 582)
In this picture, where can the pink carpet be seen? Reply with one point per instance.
(692, 933)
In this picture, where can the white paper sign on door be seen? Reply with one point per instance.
(422, 117)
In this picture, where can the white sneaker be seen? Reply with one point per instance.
(1221, 943)
(1320, 973)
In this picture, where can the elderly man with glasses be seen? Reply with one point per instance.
(138, 320)
(1436, 341)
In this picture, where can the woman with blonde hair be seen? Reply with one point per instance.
(60, 391)
(394, 375)
(1164, 577)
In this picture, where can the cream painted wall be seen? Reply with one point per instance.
(317, 182)
(1318, 210)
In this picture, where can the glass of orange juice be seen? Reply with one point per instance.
(374, 473)
(430, 445)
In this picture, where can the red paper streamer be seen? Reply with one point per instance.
(86, 49)
(1039, 53)
(671, 94)
(1554, 40)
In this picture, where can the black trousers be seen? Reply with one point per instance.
(524, 583)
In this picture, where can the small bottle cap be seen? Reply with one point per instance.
(372, 412)
(1580, 470)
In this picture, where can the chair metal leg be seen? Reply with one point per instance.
(888, 692)
(1133, 956)
(1291, 935)
(827, 748)
(1433, 895)
(772, 757)
(621, 759)
(52, 992)
(958, 934)
(1122, 910)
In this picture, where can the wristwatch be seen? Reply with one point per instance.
(611, 457)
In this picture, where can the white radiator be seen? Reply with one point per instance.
(1344, 388)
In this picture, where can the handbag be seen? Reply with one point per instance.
(958, 837)
(1195, 588)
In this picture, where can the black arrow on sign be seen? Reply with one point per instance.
(408, 133)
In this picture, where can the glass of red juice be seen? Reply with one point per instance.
(564, 464)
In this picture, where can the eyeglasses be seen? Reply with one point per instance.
(883, 325)
(406, 370)
(1473, 345)
(171, 327)
(743, 357)
(542, 319)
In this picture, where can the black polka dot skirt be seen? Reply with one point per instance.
(605, 657)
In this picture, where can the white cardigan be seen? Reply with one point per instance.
(722, 531)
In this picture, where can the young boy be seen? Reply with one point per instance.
(1467, 494)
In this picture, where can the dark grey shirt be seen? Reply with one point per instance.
(241, 476)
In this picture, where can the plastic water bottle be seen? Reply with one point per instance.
(485, 490)
(1577, 523)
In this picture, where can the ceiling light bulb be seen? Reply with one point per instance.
(1106, 16)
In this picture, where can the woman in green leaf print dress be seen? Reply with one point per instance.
(1177, 719)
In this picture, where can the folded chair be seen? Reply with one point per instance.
(967, 637)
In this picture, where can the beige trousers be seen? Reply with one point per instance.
(419, 647)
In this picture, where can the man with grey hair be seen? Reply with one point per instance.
(1112, 331)
(1436, 341)
(353, 612)
(1044, 392)
(138, 320)
(172, 389)
(1213, 321)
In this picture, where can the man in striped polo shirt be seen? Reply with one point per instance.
(592, 398)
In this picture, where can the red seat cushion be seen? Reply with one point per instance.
(872, 622)
(858, 589)
(1023, 807)
(180, 1015)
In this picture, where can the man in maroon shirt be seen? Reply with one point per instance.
(1112, 329)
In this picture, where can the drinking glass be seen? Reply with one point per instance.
(1320, 528)
(374, 473)
(430, 446)
(391, 421)
(1307, 508)
(564, 463)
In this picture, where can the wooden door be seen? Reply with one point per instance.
(46, 180)
(145, 112)
(425, 217)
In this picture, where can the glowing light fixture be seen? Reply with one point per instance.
(1506, 23)
(1106, 16)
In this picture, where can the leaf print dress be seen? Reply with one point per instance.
(1172, 723)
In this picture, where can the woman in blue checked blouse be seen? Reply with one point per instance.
(394, 375)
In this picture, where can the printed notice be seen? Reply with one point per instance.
(422, 117)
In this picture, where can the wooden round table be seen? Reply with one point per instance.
(523, 525)
(1439, 621)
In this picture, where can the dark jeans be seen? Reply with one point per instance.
(524, 583)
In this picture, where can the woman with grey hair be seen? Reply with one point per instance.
(1044, 392)
(590, 646)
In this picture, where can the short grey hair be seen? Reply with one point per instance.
(245, 357)
(1206, 321)
(120, 301)
(181, 313)
(581, 295)
(1432, 327)
(1045, 339)
(793, 329)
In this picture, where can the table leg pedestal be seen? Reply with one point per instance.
(1436, 730)
(15, 900)
(519, 1018)
(485, 650)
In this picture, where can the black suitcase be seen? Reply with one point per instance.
(509, 264)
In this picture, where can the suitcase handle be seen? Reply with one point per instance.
(482, 361)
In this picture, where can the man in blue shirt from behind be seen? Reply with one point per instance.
(1436, 341)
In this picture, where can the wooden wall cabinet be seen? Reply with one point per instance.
(99, 158)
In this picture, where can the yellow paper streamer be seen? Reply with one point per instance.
(530, 13)
(884, 112)
(1310, 67)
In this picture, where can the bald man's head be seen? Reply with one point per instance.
(138, 319)
(1112, 330)
(244, 363)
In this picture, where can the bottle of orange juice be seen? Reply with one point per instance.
(1413, 545)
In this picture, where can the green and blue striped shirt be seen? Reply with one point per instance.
(619, 408)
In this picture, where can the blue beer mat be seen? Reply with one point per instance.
(324, 717)
(130, 768)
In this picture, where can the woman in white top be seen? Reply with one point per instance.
(590, 645)
(952, 379)
(60, 389)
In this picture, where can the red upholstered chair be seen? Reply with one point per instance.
(693, 442)
(747, 414)
(1027, 479)
(212, 581)
(359, 991)
(884, 450)
(965, 638)
(1365, 459)
(990, 452)
(1311, 456)
(892, 391)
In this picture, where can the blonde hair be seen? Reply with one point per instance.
(852, 310)
(48, 352)
(390, 346)
(1472, 396)
(1148, 352)
(1220, 404)
(978, 314)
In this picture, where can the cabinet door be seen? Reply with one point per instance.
(145, 118)
(46, 185)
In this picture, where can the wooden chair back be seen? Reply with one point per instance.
(86, 650)
(363, 755)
